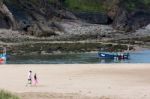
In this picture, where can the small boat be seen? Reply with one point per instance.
(114, 55)
(2, 55)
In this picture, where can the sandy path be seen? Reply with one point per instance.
(122, 81)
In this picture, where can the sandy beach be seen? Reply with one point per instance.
(101, 81)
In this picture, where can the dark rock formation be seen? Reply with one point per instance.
(94, 18)
(138, 19)
(7, 18)
(130, 21)
(121, 19)
(4, 22)
(40, 17)
(37, 18)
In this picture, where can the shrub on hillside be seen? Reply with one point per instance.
(7, 95)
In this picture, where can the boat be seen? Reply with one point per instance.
(114, 55)
(2, 55)
(118, 55)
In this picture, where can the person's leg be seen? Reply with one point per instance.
(35, 82)
(28, 82)
(31, 82)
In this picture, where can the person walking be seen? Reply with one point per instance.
(29, 78)
(35, 79)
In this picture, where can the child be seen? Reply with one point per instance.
(35, 79)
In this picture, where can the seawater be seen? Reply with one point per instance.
(77, 58)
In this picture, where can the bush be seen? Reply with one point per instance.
(7, 95)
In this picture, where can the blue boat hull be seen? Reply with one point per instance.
(103, 55)
(113, 56)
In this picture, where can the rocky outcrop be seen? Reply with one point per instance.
(120, 22)
(7, 18)
(148, 27)
(138, 19)
(41, 17)
(143, 32)
(37, 18)
(4, 22)
(131, 21)
(94, 18)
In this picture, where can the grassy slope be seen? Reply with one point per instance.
(7, 95)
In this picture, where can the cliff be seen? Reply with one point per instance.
(41, 25)
(43, 17)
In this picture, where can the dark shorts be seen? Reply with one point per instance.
(29, 79)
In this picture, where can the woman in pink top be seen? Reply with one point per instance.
(35, 79)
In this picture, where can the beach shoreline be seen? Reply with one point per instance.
(109, 81)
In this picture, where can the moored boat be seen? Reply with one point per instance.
(114, 55)
(2, 55)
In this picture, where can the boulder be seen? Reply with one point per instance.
(147, 27)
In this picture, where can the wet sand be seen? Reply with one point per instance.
(112, 81)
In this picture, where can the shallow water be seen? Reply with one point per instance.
(80, 58)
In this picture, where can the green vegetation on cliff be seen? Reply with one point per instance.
(104, 5)
(136, 4)
(93, 5)
(85, 5)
